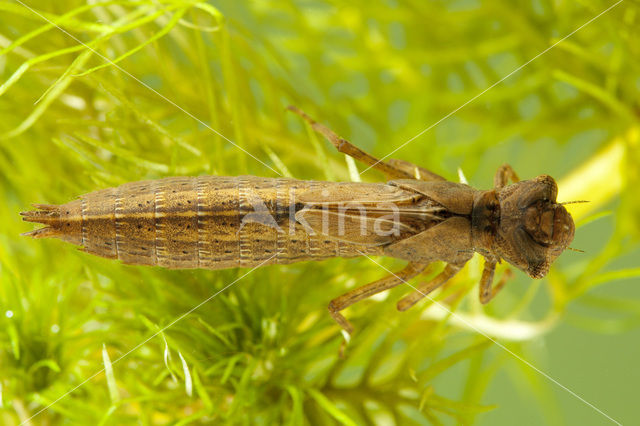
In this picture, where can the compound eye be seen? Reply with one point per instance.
(532, 256)
(542, 189)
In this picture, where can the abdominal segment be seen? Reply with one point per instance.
(211, 222)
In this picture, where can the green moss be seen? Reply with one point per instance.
(196, 89)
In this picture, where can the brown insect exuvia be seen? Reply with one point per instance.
(216, 222)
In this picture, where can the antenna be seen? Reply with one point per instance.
(574, 202)
(576, 250)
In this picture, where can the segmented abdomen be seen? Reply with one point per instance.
(211, 222)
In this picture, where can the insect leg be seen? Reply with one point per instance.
(503, 174)
(415, 171)
(486, 292)
(425, 288)
(346, 147)
(348, 299)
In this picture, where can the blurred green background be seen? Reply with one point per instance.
(264, 351)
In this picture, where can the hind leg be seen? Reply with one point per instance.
(360, 293)
(346, 147)
(416, 172)
(425, 288)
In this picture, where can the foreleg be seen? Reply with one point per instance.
(502, 176)
(486, 292)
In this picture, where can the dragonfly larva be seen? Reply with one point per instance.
(217, 222)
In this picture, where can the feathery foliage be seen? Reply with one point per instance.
(100, 93)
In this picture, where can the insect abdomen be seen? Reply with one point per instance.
(147, 222)
(211, 222)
